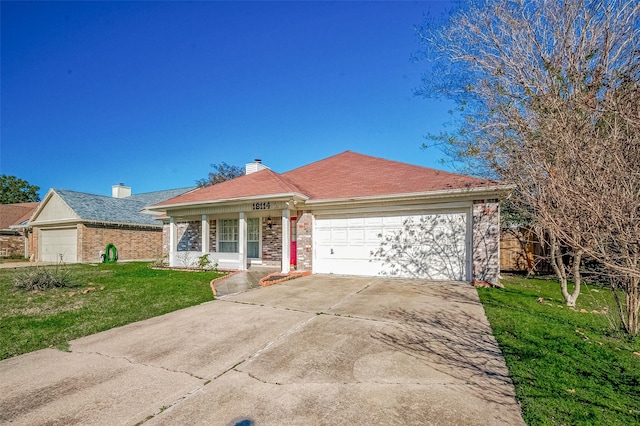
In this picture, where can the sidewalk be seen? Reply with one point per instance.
(243, 281)
(6, 264)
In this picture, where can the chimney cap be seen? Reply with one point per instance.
(258, 160)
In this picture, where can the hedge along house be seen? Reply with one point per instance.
(73, 227)
(346, 214)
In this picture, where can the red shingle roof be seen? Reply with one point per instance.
(350, 175)
(264, 182)
(345, 175)
(13, 214)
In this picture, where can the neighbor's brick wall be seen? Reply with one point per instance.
(304, 241)
(14, 244)
(132, 243)
(486, 240)
(35, 239)
(272, 240)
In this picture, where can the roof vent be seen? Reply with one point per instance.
(256, 166)
(120, 191)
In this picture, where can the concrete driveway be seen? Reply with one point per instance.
(319, 350)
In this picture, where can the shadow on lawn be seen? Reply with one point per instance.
(457, 344)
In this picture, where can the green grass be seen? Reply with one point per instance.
(568, 367)
(118, 294)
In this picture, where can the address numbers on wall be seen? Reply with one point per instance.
(261, 206)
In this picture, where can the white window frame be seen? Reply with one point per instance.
(259, 240)
(224, 237)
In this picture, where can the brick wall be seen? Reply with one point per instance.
(212, 236)
(132, 243)
(165, 239)
(272, 240)
(304, 241)
(12, 245)
(190, 236)
(35, 240)
(486, 240)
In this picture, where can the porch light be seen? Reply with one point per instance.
(269, 223)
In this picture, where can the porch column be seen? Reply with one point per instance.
(173, 241)
(242, 242)
(286, 241)
(205, 234)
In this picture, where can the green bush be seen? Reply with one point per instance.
(42, 278)
(203, 261)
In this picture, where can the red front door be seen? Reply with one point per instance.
(293, 257)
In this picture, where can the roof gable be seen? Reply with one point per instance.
(53, 208)
(262, 183)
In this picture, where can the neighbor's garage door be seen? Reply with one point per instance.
(419, 245)
(57, 242)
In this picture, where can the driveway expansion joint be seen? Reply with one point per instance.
(167, 408)
(141, 363)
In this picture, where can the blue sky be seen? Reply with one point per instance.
(152, 93)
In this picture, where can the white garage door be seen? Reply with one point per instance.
(59, 242)
(425, 245)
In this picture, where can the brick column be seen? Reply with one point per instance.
(486, 241)
(304, 240)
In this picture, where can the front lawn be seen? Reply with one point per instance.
(568, 367)
(102, 297)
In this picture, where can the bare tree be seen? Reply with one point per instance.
(548, 101)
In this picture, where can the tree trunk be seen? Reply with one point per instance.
(633, 303)
(558, 267)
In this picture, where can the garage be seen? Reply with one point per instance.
(59, 244)
(430, 245)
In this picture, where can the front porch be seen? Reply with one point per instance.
(260, 235)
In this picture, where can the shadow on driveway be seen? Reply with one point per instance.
(320, 350)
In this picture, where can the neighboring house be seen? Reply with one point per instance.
(346, 214)
(73, 226)
(14, 240)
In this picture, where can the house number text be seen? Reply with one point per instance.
(261, 206)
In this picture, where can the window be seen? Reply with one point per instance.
(228, 235)
(253, 238)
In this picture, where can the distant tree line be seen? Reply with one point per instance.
(15, 190)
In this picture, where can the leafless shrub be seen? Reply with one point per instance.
(42, 278)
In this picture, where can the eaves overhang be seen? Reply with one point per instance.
(495, 191)
(67, 222)
(238, 200)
